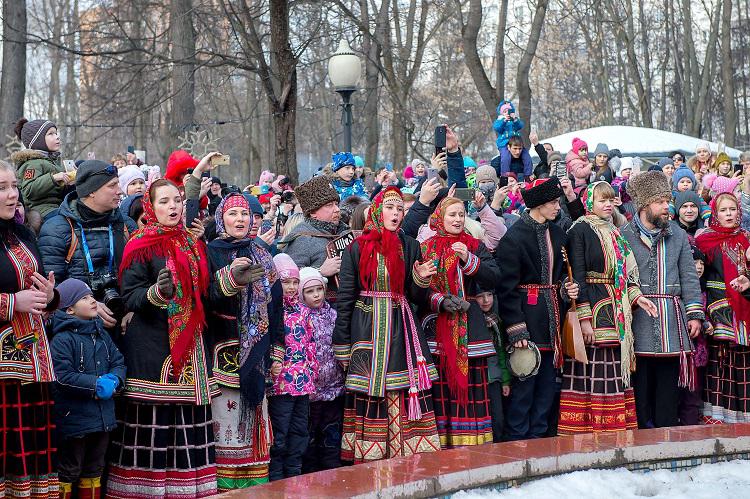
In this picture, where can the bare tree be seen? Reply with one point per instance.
(524, 66)
(727, 74)
(13, 79)
(182, 37)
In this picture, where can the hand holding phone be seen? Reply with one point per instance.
(222, 160)
(440, 134)
(431, 173)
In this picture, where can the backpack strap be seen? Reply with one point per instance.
(73, 242)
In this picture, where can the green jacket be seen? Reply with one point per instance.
(35, 171)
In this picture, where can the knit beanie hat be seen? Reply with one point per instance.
(315, 193)
(285, 266)
(505, 105)
(255, 206)
(721, 158)
(265, 177)
(92, 175)
(32, 133)
(702, 145)
(615, 153)
(342, 159)
(408, 173)
(621, 164)
(485, 173)
(541, 191)
(359, 162)
(71, 290)
(648, 187)
(723, 185)
(664, 162)
(697, 254)
(178, 164)
(682, 172)
(469, 162)
(686, 197)
(127, 175)
(601, 149)
(655, 168)
(309, 276)
(579, 144)
(708, 179)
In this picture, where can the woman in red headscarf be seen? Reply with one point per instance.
(462, 342)
(388, 408)
(725, 245)
(164, 446)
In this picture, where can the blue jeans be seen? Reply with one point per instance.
(530, 402)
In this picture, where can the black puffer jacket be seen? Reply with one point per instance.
(56, 236)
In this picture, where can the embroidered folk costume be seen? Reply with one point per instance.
(164, 444)
(597, 396)
(26, 420)
(727, 394)
(242, 326)
(388, 408)
(462, 343)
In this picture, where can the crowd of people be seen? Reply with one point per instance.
(165, 334)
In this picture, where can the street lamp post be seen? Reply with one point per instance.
(344, 71)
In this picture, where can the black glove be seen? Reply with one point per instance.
(164, 283)
(451, 304)
(240, 273)
(257, 272)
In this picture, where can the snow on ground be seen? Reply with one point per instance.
(725, 480)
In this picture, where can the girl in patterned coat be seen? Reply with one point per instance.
(294, 369)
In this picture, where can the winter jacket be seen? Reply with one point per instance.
(346, 189)
(329, 383)
(579, 168)
(299, 363)
(506, 129)
(81, 352)
(521, 166)
(55, 239)
(40, 191)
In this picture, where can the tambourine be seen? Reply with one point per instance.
(524, 362)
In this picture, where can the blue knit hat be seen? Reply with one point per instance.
(359, 162)
(342, 159)
(682, 172)
(254, 204)
(71, 290)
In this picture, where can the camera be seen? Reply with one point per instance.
(284, 181)
(104, 288)
(287, 196)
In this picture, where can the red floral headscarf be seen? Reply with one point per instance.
(731, 243)
(377, 240)
(186, 259)
(452, 329)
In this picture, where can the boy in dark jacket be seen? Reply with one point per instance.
(89, 369)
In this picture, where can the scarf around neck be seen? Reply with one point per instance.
(327, 227)
(253, 300)
(730, 244)
(620, 263)
(452, 329)
(186, 259)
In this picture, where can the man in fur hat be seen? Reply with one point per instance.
(668, 278)
(530, 303)
(307, 242)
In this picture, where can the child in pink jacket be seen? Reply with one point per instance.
(578, 164)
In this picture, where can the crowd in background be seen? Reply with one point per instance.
(164, 334)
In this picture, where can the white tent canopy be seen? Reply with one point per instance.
(636, 141)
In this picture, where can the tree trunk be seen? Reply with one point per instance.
(372, 80)
(182, 37)
(284, 100)
(71, 106)
(502, 22)
(524, 67)
(13, 80)
(727, 75)
(705, 81)
(470, 33)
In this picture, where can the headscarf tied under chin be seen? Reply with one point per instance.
(452, 329)
(253, 318)
(620, 263)
(731, 243)
(377, 240)
(186, 259)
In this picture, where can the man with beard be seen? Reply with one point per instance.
(668, 278)
(307, 242)
(686, 207)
